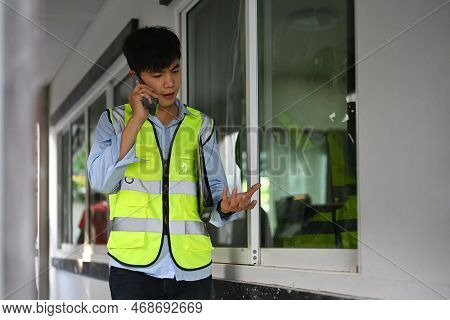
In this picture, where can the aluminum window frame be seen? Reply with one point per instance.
(237, 255)
(327, 260)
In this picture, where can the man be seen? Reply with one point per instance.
(158, 246)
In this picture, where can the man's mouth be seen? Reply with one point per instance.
(169, 96)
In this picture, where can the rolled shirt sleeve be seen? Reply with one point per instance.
(217, 179)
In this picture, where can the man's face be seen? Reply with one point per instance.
(165, 82)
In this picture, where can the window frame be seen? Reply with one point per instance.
(328, 260)
(105, 85)
(61, 189)
(237, 255)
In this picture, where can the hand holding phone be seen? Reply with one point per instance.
(150, 105)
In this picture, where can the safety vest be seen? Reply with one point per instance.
(159, 197)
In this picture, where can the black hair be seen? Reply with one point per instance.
(151, 49)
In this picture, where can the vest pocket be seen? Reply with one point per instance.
(125, 240)
(112, 199)
(131, 203)
(198, 243)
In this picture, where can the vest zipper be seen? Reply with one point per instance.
(165, 196)
(165, 178)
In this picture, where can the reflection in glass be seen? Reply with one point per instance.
(98, 202)
(65, 189)
(122, 91)
(307, 146)
(216, 86)
(79, 157)
(95, 111)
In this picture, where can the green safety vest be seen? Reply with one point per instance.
(159, 197)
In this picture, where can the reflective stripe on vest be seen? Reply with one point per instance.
(159, 196)
(154, 187)
(153, 225)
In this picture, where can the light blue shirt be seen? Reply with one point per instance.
(105, 174)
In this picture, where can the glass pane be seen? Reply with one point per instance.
(122, 91)
(307, 146)
(98, 202)
(95, 111)
(65, 189)
(79, 158)
(216, 86)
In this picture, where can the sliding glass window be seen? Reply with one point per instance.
(307, 122)
(64, 221)
(78, 212)
(122, 90)
(78, 162)
(216, 86)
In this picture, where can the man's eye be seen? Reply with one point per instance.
(157, 76)
(175, 71)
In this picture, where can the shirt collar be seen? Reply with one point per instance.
(182, 110)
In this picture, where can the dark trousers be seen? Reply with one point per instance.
(133, 285)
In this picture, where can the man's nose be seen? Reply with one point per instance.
(169, 80)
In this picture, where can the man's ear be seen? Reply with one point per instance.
(131, 73)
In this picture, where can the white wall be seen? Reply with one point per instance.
(20, 82)
(404, 158)
(403, 96)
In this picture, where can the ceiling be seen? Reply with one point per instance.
(67, 20)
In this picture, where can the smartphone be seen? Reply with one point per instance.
(150, 105)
